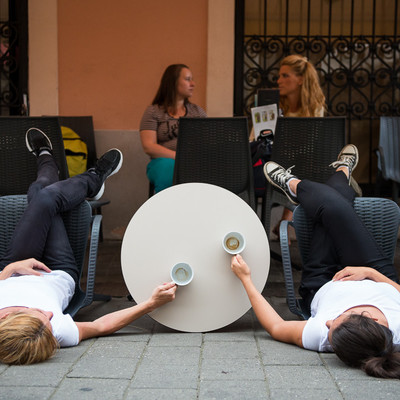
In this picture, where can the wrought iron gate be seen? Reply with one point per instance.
(13, 57)
(357, 58)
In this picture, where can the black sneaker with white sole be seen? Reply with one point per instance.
(108, 164)
(37, 141)
(279, 177)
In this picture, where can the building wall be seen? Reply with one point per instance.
(105, 59)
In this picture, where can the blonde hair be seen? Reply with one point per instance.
(25, 339)
(312, 99)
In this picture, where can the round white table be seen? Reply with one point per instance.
(186, 223)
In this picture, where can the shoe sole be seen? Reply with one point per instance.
(277, 186)
(101, 191)
(27, 142)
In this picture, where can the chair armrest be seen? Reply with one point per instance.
(287, 268)
(381, 161)
(93, 248)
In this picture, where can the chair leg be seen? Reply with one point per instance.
(395, 191)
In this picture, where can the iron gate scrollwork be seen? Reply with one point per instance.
(360, 74)
(13, 57)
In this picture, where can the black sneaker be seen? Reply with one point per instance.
(348, 157)
(37, 141)
(108, 164)
(279, 176)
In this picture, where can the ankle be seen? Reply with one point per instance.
(292, 186)
(344, 169)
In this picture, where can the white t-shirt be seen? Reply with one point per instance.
(49, 292)
(334, 298)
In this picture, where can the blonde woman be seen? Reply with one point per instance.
(300, 96)
(38, 271)
(299, 89)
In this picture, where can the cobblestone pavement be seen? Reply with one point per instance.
(149, 361)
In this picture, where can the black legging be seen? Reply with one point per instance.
(41, 233)
(339, 236)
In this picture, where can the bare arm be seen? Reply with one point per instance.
(152, 148)
(278, 328)
(360, 273)
(29, 266)
(112, 322)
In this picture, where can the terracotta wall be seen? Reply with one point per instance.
(105, 59)
(112, 55)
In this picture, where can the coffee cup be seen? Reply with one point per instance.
(182, 274)
(234, 243)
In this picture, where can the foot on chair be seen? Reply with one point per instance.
(37, 141)
(108, 164)
(279, 177)
(348, 157)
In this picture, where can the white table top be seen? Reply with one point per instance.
(186, 223)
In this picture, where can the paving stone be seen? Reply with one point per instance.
(176, 339)
(43, 374)
(91, 389)
(162, 394)
(161, 356)
(26, 393)
(240, 336)
(155, 376)
(116, 349)
(277, 353)
(373, 388)
(340, 371)
(297, 377)
(233, 390)
(306, 394)
(127, 335)
(231, 369)
(104, 367)
(68, 355)
(223, 349)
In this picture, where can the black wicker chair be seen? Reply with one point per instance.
(79, 224)
(215, 151)
(310, 144)
(83, 126)
(388, 153)
(17, 165)
(380, 216)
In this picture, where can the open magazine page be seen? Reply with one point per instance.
(264, 119)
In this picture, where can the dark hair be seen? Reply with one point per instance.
(360, 341)
(166, 93)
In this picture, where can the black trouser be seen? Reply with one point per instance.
(339, 238)
(41, 233)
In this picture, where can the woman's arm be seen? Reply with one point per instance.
(152, 148)
(278, 328)
(112, 322)
(29, 266)
(360, 273)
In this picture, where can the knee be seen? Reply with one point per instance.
(160, 172)
(45, 199)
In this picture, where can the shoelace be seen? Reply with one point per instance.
(346, 160)
(282, 175)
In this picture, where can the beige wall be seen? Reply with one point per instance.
(43, 57)
(105, 59)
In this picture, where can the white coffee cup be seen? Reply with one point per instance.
(234, 242)
(182, 274)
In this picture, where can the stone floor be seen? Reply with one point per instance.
(149, 361)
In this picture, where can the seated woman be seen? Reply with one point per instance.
(38, 272)
(351, 287)
(300, 95)
(160, 123)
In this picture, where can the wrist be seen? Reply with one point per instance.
(7, 271)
